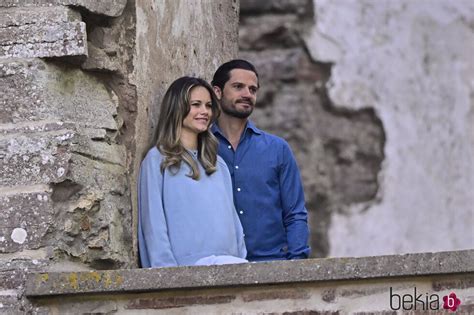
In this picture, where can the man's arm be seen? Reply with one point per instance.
(295, 215)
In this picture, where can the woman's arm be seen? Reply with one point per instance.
(154, 244)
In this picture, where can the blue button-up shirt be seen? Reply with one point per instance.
(268, 194)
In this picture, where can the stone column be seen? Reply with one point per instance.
(80, 85)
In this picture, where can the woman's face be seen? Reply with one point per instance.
(200, 113)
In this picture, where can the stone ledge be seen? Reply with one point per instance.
(111, 8)
(49, 40)
(277, 272)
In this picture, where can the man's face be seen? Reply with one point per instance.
(239, 94)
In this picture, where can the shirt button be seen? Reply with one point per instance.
(238, 189)
(230, 147)
(241, 212)
(237, 167)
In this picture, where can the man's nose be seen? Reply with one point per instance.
(246, 92)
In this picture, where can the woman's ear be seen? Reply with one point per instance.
(218, 92)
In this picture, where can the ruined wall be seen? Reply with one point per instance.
(80, 85)
(412, 62)
(339, 151)
(375, 98)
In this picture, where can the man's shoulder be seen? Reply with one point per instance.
(273, 139)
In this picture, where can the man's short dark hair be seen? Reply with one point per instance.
(222, 74)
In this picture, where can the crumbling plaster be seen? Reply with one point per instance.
(412, 62)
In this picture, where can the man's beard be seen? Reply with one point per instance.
(235, 113)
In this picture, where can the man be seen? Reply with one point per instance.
(268, 193)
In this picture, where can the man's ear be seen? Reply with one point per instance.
(218, 92)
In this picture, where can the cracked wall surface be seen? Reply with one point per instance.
(339, 151)
(412, 62)
(375, 97)
(80, 85)
(376, 100)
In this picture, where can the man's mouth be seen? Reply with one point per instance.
(245, 103)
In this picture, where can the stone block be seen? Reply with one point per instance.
(293, 294)
(269, 32)
(11, 280)
(14, 239)
(100, 150)
(99, 60)
(277, 6)
(178, 301)
(25, 220)
(261, 273)
(9, 304)
(45, 40)
(36, 159)
(97, 175)
(104, 7)
(21, 16)
(35, 90)
(25, 209)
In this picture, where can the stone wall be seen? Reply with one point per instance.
(80, 85)
(375, 98)
(339, 151)
(411, 61)
(337, 286)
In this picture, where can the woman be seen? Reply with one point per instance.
(186, 211)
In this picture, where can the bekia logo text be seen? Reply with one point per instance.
(422, 301)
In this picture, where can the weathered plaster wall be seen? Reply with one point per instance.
(350, 84)
(412, 62)
(339, 151)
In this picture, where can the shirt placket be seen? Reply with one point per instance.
(239, 190)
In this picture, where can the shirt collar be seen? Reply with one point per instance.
(250, 125)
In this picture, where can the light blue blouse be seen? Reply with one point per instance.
(182, 220)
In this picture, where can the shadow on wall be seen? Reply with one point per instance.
(339, 151)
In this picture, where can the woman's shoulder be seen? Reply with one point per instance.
(221, 162)
(153, 155)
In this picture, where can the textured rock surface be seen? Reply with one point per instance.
(41, 32)
(70, 141)
(63, 178)
(106, 7)
(412, 62)
(300, 271)
(339, 152)
(287, 287)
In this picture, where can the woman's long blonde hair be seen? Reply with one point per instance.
(174, 108)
